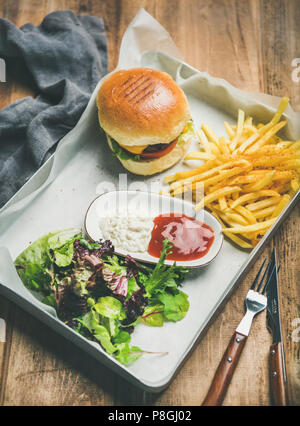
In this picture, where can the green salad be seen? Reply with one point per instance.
(100, 295)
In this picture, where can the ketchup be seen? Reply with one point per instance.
(191, 238)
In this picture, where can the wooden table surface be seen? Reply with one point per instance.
(250, 43)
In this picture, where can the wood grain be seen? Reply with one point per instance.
(250, 43)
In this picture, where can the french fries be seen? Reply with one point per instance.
(247, 177)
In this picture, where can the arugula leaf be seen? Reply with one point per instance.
(89, 245)
(164, 276)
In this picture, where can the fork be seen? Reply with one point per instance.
(255, 302)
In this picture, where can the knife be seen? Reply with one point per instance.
(277, 362)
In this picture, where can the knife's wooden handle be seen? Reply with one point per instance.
(277, 379)
(225, 370)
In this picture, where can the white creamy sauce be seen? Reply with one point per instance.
(130, 232)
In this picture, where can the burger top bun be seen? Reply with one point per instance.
(142, 106)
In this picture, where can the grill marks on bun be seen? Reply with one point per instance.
(136, 89)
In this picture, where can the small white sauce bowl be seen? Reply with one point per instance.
(153, 204)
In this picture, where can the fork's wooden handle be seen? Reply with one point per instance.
(225, 370)
(277, 380)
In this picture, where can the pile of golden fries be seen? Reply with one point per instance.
(245, 179)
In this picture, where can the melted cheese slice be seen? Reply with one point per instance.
(134, 149)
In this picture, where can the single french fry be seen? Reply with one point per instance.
(281, 108)
(250, 228)
(229, 130)
(281, 206)
(223, 203)
(189, 173)
(240, 125)
(253, 138)
(210, 133)
(199, 156)
(216, 195)
(204, 141)
(254, 195)
(264, 213)
(262, 183)
(262, 204)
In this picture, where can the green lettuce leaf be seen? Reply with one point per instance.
(127, 354)
(154, 315)
(188, 133)
(119, 152)
(36, 253)
(132, 287)
(122, 337)
(110, 307)
(102, 334)
(175, 305)
(91, 321)
(34, 264)
(62, 246)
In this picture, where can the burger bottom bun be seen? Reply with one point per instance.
(157, 165)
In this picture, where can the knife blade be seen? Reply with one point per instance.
(277, 360)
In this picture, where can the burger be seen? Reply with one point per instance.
(146, 118)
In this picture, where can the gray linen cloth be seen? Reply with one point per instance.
(63, 59)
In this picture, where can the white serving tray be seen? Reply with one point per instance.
(57, 197)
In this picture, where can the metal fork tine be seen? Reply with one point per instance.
(257, 276)
(264, 275)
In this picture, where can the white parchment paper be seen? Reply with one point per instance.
(58, 195)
